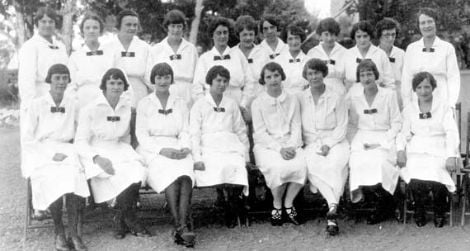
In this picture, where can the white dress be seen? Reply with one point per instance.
(293, 67)
(219, 140)
(272, 54)
(183, 63)
(396, 58)
(104, 131)
(157, 128)
(48, 133)
(428, 143)
(378, 123)
(241, 85)
(276, 123)
(441, 63)
(325, 124)
(335, 63)
(134, 62)
(86, 71)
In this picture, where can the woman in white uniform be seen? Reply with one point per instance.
(271, 44)
(89, 63)
(278, 142)
(162, 129)
(435, 56)
(180, 54)
(375, 119)
(292, 60)
(50, 160)
(220, 144)
(330, 51)
(428, 148)
(324, 124)
(115, 170)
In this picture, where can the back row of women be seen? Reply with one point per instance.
(299, 117)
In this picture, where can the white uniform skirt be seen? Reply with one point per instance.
(127, 164)
(278, 171)
(371, 167)
(51, 180)
(138, 89)
(331, 169)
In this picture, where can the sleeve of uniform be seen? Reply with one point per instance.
(184, 137)
(353, 117)
(27, 59)
(84, 135)
(195, 130)
(199, 80)
(405, 132)
(339, 132)
(260, 135)
(141, 128)
(453, 77)
(249, 85)
(395, 122)
(30, 145)
(296, 127)
(150, 63)
(452, 133)
(406, 77)
(239, 127)
(73, 67)
(388, 78)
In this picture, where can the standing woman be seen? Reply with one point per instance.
(180, 54)
(162, 129)
(220, 144)
(435, 56)
(324, 124)
(293, 59)
(115, 170)
(428, 148)
(50, 160)
(278, 142)
(375, 119)
(330, 51)
(89, 63)
(271, 44)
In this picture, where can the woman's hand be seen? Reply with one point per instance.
(371, 146)
(170, 153)
(324, 150)
(59, 157)
(401, 159)
(199, 166)
(288, 153)
(451, 164)
(183, 152)
(105, 164)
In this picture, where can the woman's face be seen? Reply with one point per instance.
(219, 84)
(272, 80)
(46, 26)
(269, 31)
(220, 36)
(175, 31)
(362, 39)
(367, 77)
(328, 38)
(388, 37)
(427, 25)
(314, 77)
(59, 82)
(247, 37)
(424, 90)
(162, 83)
(114, 87)
(91, 30)
(129, 25)
(293, 41)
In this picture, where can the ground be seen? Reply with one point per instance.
(390, 235)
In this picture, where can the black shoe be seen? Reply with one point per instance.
(292, 215)
(332, 228)
(420, 219)
(374, 218)
(120, 228)
(185, 237)
(77, 243)
(61, 243)
(439, 221)
(276, 217)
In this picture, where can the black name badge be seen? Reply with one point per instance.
(113, 118)
(127, 54)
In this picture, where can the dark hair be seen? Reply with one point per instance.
(367, 65)
(317, 65)
(245, 22)
(430, 12)
(272, 67)
(219, 21)
(270, 19)
(92, 17)
(57, 69)
(114, 73)
(295, 30)
(217, 70)
(420, 77)
(386, 24)
(364, 26)
(50, 12)
(122, 14)
(328, 24)
(174, 17)
(161, 69)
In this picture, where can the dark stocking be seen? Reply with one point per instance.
(56, 213)
(186, 191)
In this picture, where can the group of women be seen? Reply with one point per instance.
(192, 118)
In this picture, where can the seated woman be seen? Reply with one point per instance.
(162, 129)
(428, 148)
(51, 161)
(115, 170)
(324, 125)
(278, 142)
(220, 144)
(376, 120)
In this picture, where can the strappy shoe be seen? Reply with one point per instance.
(332, 227)
(276, 217)
(292, 215)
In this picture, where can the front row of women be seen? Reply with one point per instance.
(297, 138)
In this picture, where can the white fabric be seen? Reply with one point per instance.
(46, 134)
(272, 54)
(219, 140)
(294, 82)
(442, 64)
(98, 136)
(428, 143)
(183, 69)
(155, 131)
(276, 124)
(371, 167)
(335, 77)
(325, 123)
(86, 72)
(241, 85)
(397, 66)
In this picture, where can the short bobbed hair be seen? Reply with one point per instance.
(364, 26)
(92, 16)
(114, 73)
(272, 67)
(420, 77)
(161, 69)
(57, 69)
(50, 12)
(386, 24)
(219, 21)
(217, 70)
(122, 14)
(295, 30)
(174, 17)
(245, 22)
(317, 65)
(367, 65)
(328, 24)
(430, 12)
(270, 19)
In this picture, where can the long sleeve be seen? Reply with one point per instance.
(84, 135)
(453, 77)
(239, 128)
(395, 122)
(406, 90)
(27, 73)
(295, 139)
(184, 136)
(141, 128)
(452, 134)
(405, 132)
(388, 78)
(338, 134)
(249, 86)
(261, 135)
(195, 129)
(30, 145)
